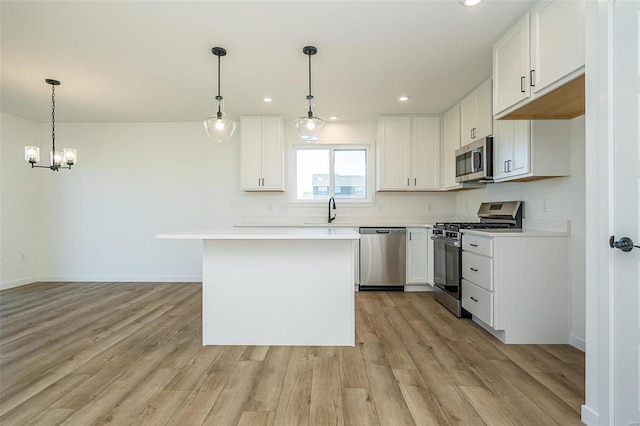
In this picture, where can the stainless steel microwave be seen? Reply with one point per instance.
(474, 162)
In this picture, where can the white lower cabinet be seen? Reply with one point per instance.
(478, 301)
(417, 256)
(517, 285)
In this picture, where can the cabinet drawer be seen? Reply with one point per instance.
(476, 244)
(477, 301)
(478, 270)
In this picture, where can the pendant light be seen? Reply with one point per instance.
(309, 128)
(218, 127)
(57, 159)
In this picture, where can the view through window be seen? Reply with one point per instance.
(331, 172)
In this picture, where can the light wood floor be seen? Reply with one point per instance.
(130, 353)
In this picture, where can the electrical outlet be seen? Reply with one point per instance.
(270, 207)
(429, 207)
(379, 208)
(544, 205)
(23, 258)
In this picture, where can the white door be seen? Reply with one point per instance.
(626, 174)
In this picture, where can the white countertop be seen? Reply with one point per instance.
(514, 233)
(336, 225)
(266, 233)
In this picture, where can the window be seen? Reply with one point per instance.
(331, 171)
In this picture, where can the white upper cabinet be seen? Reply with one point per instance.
(541, 52)
(476, 114)
(261, 154)
(511, 66)
(530, 150)
(408, 154)
(450, 143)
(557, 41)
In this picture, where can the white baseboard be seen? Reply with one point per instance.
(589, 417)
(578, 342)
(123, 278)
(18, 283)
(417, 287)
(108, 278)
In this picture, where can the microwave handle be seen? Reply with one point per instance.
(476, 161)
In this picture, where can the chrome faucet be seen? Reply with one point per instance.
(332, 201)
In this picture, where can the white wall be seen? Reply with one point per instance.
(565, 202)
(98, 221)
(20, 205)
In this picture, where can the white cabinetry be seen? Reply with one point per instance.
(557, 41)
(450, 143)
(408, 153)
(418, 256)
(517, 286)
(476, 114)
(542, 51)
(530, 150)
(261, 154)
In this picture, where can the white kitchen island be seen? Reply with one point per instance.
(277, 286)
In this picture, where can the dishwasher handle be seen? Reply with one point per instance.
(384, 231)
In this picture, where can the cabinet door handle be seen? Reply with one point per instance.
(471, 131)
(258, 181)
(262, 181)
(522, 84)
(473, 245)
(415, 181)
(474, 269)
(531, 80)
(508, 165)
(409, 236)
(408, 182)
(473, 298)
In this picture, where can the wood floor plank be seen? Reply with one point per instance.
(326, 397)
(294, 403)
(352, 371)
(268, 386)
(490, 408)
(229, 405)
(390, 405)
(131, 353)
(422, 404)
(256, 418)
(358, 407)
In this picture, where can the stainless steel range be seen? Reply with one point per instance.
(447, 256)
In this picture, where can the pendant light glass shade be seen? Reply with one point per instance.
(218, 127)
(310, 127)
(57, 159)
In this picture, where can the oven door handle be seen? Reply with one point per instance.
(453, 243)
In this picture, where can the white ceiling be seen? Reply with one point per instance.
(131, 61)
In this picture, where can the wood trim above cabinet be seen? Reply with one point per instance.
(565, 102)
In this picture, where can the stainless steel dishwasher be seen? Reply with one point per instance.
(382, 258)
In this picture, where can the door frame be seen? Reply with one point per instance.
(600, 344)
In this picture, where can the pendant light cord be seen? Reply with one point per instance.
(53, 117)
(219, 97)
(310, 96)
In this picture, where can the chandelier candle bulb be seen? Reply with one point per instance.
(32, 154)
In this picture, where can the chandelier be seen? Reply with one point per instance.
(57, 159)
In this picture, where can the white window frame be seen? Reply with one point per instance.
(370, 178)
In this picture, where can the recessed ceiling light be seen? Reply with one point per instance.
(333, 117)
(469, 3)
(403, 98)
(268, 100)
